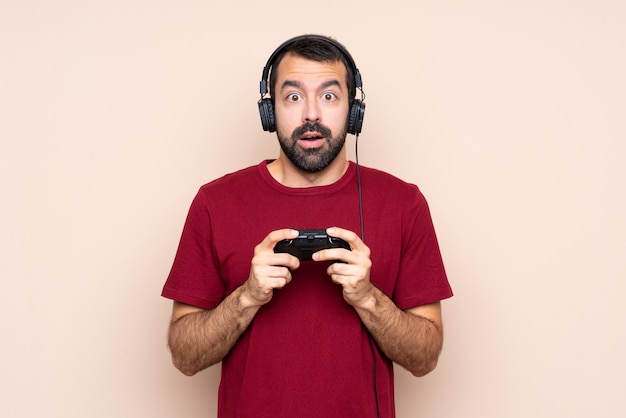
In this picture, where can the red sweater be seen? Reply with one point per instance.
(306, 353)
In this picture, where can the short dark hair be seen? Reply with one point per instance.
(315, 49)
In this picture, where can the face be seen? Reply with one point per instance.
(311, 109)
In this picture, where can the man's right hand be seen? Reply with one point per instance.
(269, 270)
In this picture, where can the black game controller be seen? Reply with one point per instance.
(308, 242)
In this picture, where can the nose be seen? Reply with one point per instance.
(311, 111)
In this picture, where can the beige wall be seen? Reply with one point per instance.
(509, 115)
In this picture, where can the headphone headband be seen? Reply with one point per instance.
(266, 70)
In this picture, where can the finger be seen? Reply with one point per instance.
(335, 254)
(350, 237)
(267, 278)
(349, 283)
(348, 270)
(276, 272)
(270, 258)
(274, 237)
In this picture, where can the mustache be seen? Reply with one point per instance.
(311, 127)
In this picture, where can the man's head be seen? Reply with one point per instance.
(313, 84)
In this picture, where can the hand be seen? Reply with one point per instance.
(354, 273)
(269, 270)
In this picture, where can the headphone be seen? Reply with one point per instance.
(266, 108)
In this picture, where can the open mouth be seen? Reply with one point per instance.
(311, 136)
(312, 140)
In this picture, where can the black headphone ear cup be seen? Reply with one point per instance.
(266, 111)
(357, 113)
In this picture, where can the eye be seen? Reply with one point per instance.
(293, 97)
(329, 97)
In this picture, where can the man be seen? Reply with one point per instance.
(308, 338)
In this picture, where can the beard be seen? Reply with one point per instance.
(312, 160)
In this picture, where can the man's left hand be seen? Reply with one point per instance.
(353, 274)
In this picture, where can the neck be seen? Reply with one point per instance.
(284, 172)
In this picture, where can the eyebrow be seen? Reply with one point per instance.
(299, 85)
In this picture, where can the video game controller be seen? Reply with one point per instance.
(308, 242)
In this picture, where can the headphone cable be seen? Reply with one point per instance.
(369, 335)
(358, 180)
